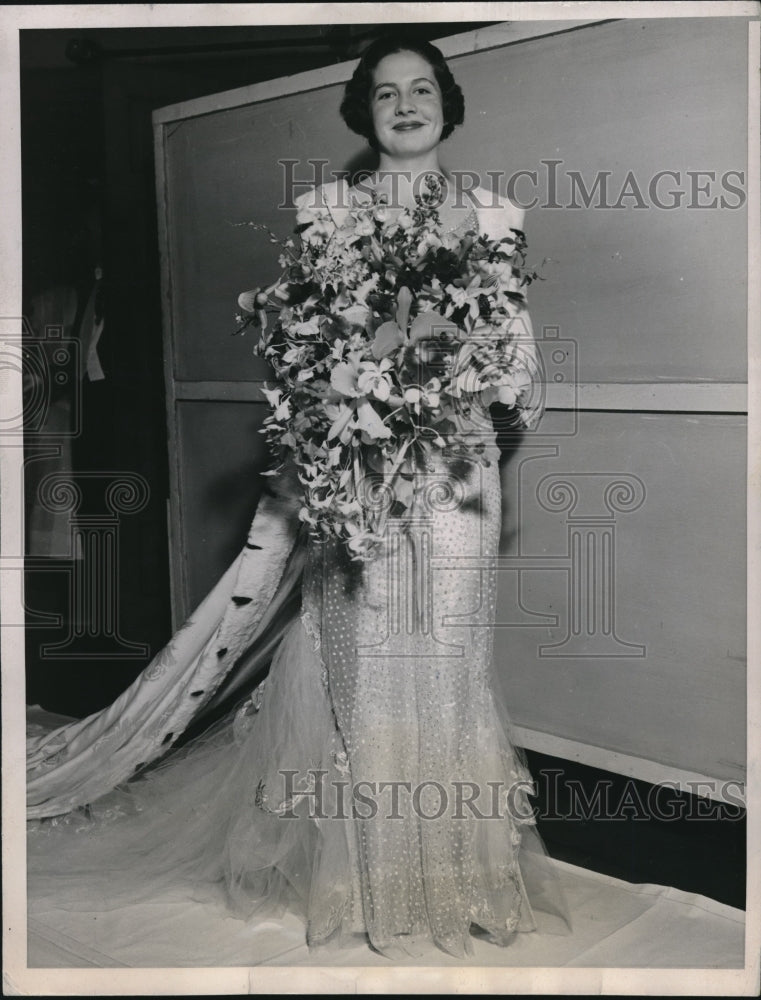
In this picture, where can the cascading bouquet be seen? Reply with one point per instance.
(387, 333)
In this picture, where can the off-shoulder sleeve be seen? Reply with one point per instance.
(311, 207)
(326, 205)
(497, 215)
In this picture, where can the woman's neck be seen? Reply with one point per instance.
(400, 180)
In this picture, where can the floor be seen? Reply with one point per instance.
(615, 925)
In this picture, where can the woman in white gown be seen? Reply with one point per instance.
(370, 781)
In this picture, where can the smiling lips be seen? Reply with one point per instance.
(406, 126)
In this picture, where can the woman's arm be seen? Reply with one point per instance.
(498, 218)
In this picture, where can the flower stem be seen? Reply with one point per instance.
(393, 474)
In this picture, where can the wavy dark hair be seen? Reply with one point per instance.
(355, 106)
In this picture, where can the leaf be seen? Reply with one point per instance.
(370, 423)
(344, 379)
(428, 325)
(403, 305)
(341, 422)
(402, 491)
(388, 337)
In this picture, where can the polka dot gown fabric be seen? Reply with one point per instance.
(406, 642)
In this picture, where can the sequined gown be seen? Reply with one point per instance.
(370, 781)
(407, 649)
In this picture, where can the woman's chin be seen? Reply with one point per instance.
(409, 144)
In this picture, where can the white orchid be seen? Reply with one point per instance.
(375, 379)
(365, 226)
(367, 349)
(428, 395)
(430, 241)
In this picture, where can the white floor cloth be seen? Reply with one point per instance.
(616, 924)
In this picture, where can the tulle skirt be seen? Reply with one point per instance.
(370, 783)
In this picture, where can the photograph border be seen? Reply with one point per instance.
(20, 980)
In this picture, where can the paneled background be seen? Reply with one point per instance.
(642, 318)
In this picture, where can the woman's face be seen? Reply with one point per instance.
(406, 105)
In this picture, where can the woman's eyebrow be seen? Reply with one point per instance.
(418, 79)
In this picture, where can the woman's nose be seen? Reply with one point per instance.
(404, 104)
